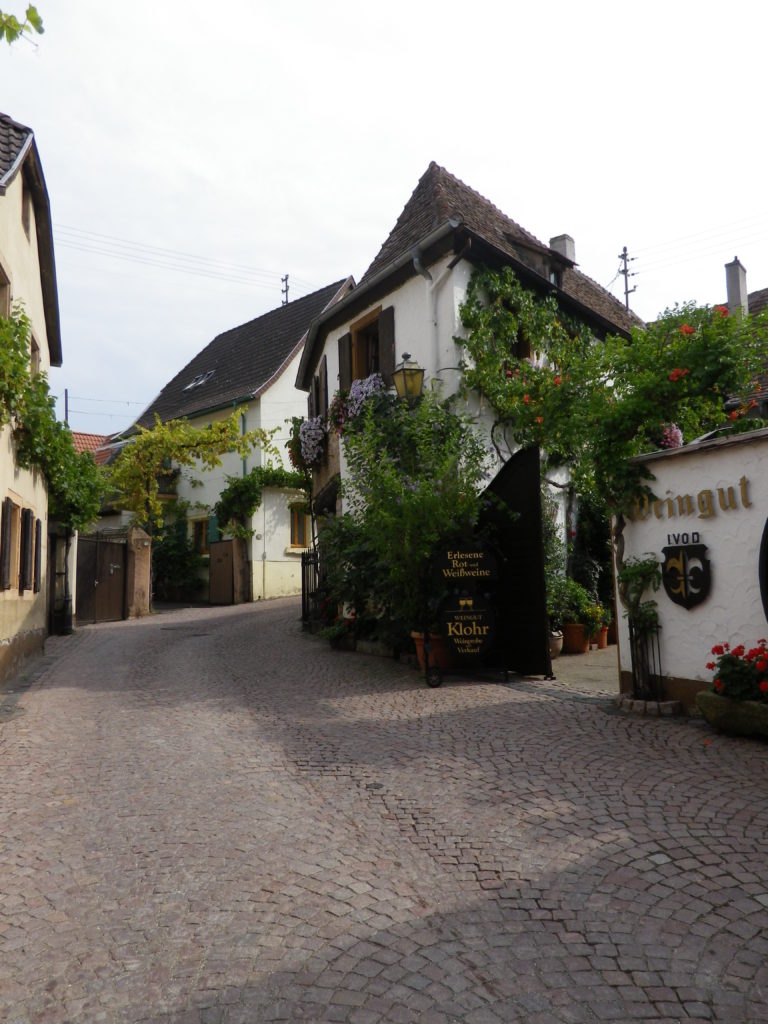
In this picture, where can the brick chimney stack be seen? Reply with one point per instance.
(564, 245)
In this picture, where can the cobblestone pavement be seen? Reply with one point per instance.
(208, 816)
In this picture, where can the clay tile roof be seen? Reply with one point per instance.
(757, 301)
(440, 196)
(88, 442)
(98, 444)
(240, 363)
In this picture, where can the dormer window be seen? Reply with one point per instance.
(556, 278)
(201, 378)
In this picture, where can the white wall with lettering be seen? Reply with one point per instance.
(711, 507)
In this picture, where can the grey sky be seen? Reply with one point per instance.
(260, 139)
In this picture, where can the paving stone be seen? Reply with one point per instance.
(208, 816)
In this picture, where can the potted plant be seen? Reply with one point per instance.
(738, 700)
(570, 601)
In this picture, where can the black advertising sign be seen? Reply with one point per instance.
(466, 571)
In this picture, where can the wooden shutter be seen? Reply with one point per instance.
(322, 388)
(26, 576)
(38, 555)
(213, 529)
(345, 361)
(5, 545)
(387, 345)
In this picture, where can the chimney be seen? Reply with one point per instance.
(564, 245)
(736, 286)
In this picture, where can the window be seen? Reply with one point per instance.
(5, 294)
(26, 207)
(34, 357)
(10, 545)
(200, 536)
(368, 348)
(298, 526)
(201, 378)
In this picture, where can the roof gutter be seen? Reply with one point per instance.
(413, 256)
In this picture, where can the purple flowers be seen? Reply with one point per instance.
(312, 439)
(360, 390)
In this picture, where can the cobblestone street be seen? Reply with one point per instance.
(208, 816)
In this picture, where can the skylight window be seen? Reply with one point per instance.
(201, 378)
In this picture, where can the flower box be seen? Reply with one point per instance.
(736, 717)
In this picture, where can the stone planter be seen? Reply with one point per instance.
(555, 643)
(736, 717)
(575, 639)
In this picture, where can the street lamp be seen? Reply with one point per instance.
(409, 378)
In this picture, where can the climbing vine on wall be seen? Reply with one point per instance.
(75, 484)
(243, 495)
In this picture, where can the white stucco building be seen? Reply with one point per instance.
(28, 279)
(408, 301)
(251, 369)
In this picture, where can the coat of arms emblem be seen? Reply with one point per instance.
(686, 574)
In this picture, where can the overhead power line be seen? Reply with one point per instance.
(175, 260)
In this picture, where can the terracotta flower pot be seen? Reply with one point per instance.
(575, 638)
(602, 638)
(440, 656)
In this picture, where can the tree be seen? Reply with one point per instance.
(12, 29)
(593, 405)
(135, 475)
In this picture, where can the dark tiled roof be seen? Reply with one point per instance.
(18, 141)
(241, 362)
(13, 138)
(440, 196)
(757, 300)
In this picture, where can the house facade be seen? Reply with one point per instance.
(27, 279)
(409, 298)
(250, 369)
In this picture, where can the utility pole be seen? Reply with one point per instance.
(284, 281)
(66, 406)
(625, 260)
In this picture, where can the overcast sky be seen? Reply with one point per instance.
(195, 153)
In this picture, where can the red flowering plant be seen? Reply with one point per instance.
(739, 673)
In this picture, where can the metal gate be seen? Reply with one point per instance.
(100, 580)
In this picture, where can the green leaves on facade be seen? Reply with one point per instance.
(135, 475)
(242, 495)
(593, 404)
(74, 482)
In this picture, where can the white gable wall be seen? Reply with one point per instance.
(714, 494)
(275, 566)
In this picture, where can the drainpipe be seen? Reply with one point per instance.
(264, 549)
(432, 290)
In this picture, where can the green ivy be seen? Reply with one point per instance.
(75, 484)
(593, 405)
(242, 495)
